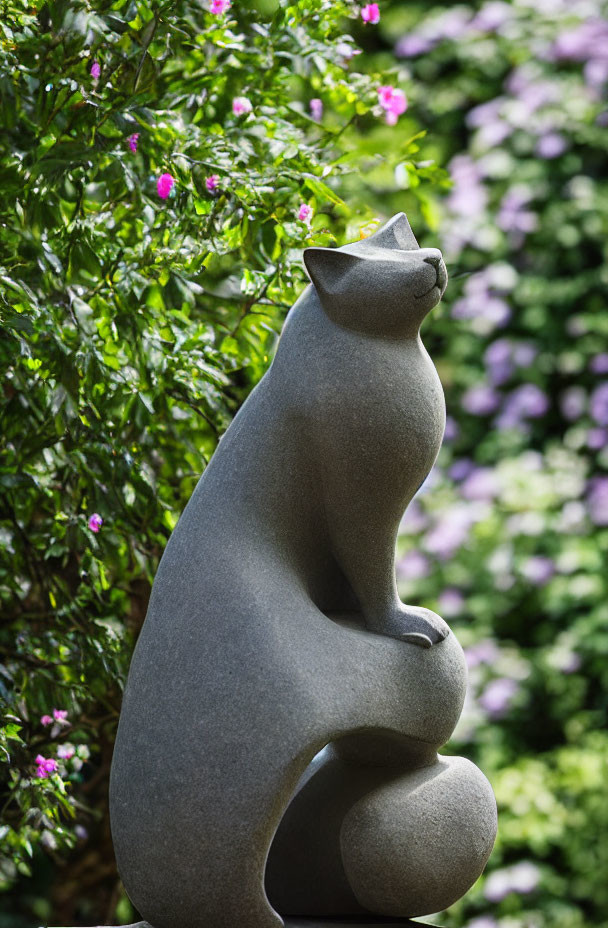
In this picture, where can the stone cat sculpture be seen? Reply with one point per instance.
(275, 628)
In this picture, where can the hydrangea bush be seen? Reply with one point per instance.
(163, 165)
(508, 539)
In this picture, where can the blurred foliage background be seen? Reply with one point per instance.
(136, 317)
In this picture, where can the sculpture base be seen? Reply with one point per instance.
(371, 922)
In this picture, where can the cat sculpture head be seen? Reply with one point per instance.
(382, 285)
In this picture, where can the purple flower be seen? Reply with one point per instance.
(46, 720)
(481, 484)
(599, 363)
(212, 182)
(450, 531)
(497, 885)
(480, 400)
(598, 405)
(451, 602)
(95, 70)
(164, 185)
(95, 522)
(412, 566)
(524, 354)
(483, 921)
(525, 402)
(451, 24)
(414, 519)
(551, 145)
(412, 45)
(451, 429)
(492, 16)
(573, 403)
(461, 469)
(60, 715)
(132, 140)
(512, 215)
(585, 43)
(219, 7)
(468, 196)
(482, 652)
(597, 438)
(538, 569)
(597, 500)
(316, 109)
(497, 696)
(524, 877)
(596, 73)
(497, 357)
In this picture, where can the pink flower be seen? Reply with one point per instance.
(95, 70)
(241, 105)
(46, 720)
(132, 140)
(95, 522)
(60, 715)
(212, 182)
(65, 751)
(316, 109)
(164, 185)
(371, 13)
(393, 102)
(305, 213)
(217, 7)
(44, 766)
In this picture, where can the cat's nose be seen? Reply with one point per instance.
(433, 257)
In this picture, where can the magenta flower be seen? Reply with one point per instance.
(393, 101)
(46, 720)
(241, 105)
(132, 140)
(371, 13)
(60, 715)
(95, 522)
(44, 766)
(164, 185)
(218, 7)
(212, 182)
(316, 109)
(95, 70)
(305, 213)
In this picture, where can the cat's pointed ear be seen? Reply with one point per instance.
(396, 234)
(327, 266)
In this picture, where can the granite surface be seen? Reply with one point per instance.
(275, 629)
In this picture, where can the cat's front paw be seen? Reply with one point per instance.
(416, 625)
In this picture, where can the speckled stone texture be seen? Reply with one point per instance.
(275, 629)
